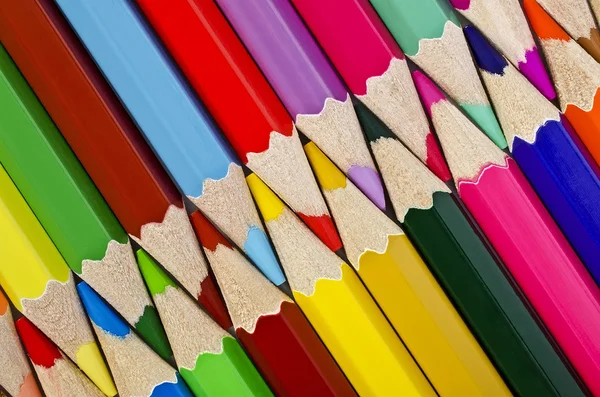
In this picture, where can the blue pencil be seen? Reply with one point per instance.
(138, 370)
(173, 121)
(539, 140)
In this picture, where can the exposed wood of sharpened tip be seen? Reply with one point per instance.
(15, 377)
(209, 359)
(393, 272)
(183, 135)
(545, 151)
(577, 19)
(137, 370)
(334, 300)
(504, 24)
(58, 376)
(262, 133)
(374, 67)
(68, 205)
(269, 325)
(595, 5)
(575, 74)
(42, 286)
(535, 251)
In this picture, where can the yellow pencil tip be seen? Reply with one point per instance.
(91, 363)
(328, 175)
(268, 203)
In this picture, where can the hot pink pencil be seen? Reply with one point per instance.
(522, 231)
(374, 68)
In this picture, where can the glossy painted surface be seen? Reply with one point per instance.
(87, 113)
(557, 170)
(487, 301)
(541, 261)
(180, 131)
(23, 241)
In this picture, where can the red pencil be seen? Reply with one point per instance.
(106, 141)
(242, 103)
(272, 329)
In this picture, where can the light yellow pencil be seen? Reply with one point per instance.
(406, 290)
(40, 285)
(339, 307)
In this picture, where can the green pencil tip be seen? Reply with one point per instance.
(156, 279)
(152, 331)
(373, 127)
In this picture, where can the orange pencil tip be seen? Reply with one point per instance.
(544, 26)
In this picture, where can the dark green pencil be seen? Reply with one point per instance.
(472, 278)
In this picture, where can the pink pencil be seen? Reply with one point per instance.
(374, 68)
(522, 231)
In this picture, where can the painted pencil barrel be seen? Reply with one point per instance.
(487, 301)
(361, 340)
(540, 259)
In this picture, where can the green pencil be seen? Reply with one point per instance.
(211, 361)
(430, 35)
(465, 268)
(69, 206)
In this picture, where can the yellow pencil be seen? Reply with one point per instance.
(339, 307)
(40, 285)
(406, 290)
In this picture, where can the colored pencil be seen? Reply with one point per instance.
(106, 141)
(138, 371)
(576, 75)
(69, 206)
(173, 121)
(503, 23)
(308, 86)
(375, 70)
(518, 225)
(40, 285)
(335, 301)
(262, 132)
(58, 376)
(543, 148)
(269, 325)
(577, 20)
(15, 377)
(210, 361)
(401, 283)
(429, 33)
(462, 264)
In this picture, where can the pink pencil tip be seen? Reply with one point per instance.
(428, 91)
(533, 68)
(461, 4)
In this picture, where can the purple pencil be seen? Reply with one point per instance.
(307, 85)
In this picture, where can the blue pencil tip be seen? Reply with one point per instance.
(100, 313)
(486, 56)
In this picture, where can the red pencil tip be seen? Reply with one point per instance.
(323, 227)
(39, 348)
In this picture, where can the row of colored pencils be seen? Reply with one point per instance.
(299, 197)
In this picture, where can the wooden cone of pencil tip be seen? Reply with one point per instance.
(595, 5)
(263, 133)
(182, 133)
(307, 85)
(520, 228)
(430, 35)
(577, 20)
(40, 285)
(137, 369)
(335, 301)
(58, 376)
(15, 376)
(503, 23)
(69, 206)
(466, 270)
(269, 325)
(375, 70)
(542, 146)
(394, 272)
(576, 76)
(210, 361)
